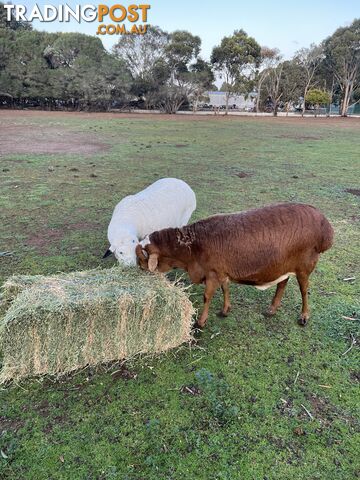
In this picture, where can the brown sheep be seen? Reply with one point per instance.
(260, 247)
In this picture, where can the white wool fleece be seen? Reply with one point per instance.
(168, 202)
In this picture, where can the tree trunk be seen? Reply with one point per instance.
(331, 98)
(343, 103)
(304, 104)
(346, 99)
(178, 105)
(227, 97)
(258, 98)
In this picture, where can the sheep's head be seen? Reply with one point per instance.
(142, 257)
(149, 258)
(124, 249)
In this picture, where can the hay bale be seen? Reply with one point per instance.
(60, 323)
(16, 284)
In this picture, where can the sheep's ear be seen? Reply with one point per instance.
(153, 261)
(107, 253)
(141, 253)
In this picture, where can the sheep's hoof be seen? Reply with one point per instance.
(303, 320)
(197, 326)
(223, 314)
(270, 312)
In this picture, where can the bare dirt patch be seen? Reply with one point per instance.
(123, 373)
(355, 376)
(243, 174)
(10, 424)
(299, 138)
(353, 191)
(326, 412)
(190, 390)
(32, 139)
(44, 239)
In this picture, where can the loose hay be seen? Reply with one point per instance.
(60, 323)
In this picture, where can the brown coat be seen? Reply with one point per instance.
(258, 247)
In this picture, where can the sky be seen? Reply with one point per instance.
(287, 25)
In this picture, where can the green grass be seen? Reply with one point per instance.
(250, 376)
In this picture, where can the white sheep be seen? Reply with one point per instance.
(168, 202)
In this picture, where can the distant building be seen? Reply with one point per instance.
(218, 99)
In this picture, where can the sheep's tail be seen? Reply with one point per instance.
(327, 236)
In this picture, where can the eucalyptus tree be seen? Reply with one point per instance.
(202, 79)
(291, 84)
(236, 57)
(272, 84)
(342, 52)
(309, 59)
(269, 58)
(144, 56)
(181, 56)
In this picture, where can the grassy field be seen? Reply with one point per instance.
(254, 398)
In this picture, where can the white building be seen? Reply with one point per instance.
(218, 99)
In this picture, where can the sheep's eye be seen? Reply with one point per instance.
(133, 241)
(121, 253)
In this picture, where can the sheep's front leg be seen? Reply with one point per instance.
(227, 306)
(212, 283)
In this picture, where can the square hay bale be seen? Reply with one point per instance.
(16, 284)
(57, 324)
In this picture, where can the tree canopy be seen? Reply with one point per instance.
(68, 69)
(165, 70)
(166, 67)
(12, 24)
(342, 52)
(316, 97)
(235, 57)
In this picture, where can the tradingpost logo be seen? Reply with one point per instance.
(136, 15)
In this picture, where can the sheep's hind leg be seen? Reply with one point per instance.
(276, 301)
(227, 306)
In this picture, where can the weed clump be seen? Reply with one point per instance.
(215, 392)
